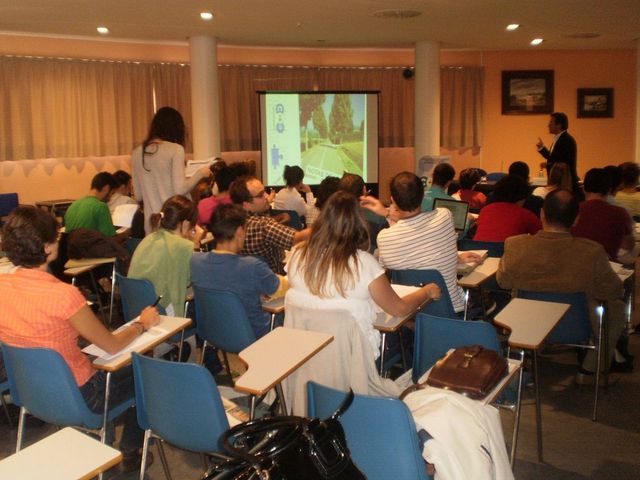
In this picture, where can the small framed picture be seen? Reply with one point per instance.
(527, 92)
(595, 103)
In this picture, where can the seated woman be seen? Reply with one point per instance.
(224, 175)
(38, 310)
(164, 256)
(289, 197)
(559, 177)
(469, 177)
(506, 216)
(333, 270)
(223, 269)
(327, 187)
(628, 197)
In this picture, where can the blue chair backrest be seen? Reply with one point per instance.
(575, 326)
(8, 203)
(40, 381)
(295, 220)
(136, 294)
(495, 249)
(440, 308)
(180, 403)
(222, 320)
(434, 337)
(495, 176)
(380, 431)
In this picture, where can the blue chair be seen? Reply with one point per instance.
(42, 384)
(8, 203)
(495, 176)
(294, 219)
(137, 294)
(442, 307)
(380, 431)
(575, 330)
(222, 322)
(494, 249)
(189, 414)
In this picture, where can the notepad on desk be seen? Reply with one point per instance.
(123, 215)
(145, 339)
(465, 267)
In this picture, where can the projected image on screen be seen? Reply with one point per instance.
(324, 133)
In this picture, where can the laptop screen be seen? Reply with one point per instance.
(458, 209)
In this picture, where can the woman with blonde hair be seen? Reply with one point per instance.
(559, 177)
(333, 270)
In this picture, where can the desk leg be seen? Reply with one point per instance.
(403, 354)
(113, 290)
(273, 321)
(252, 408)
(283, 404)
(466, 303)
(180, 346)
(98, 296)
(383, 346)
(538, 409)
(105, 413)
(516, 420)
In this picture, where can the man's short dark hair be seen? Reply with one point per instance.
(102, 180)
(351, 183)
(469, 177)
(615, 179)
(407, 191)
(225, 221)
(511, 189)
(443, 174)
(520, 169)
(629, 173)
(597, 181)
(25, 234)
(121, 178)
(561, 119)
(560, 208)
(238, 190)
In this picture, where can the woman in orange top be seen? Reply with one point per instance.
(38, 310)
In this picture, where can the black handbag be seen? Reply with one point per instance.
(287, 448)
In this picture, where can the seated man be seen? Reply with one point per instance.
(607, 224)
(223, 269)
(265, 237)
(443, 175)
(628, 197)
(419, 240)
(554, 261)
(354, 184)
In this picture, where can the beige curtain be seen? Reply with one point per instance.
(461, 107)
(59, 107)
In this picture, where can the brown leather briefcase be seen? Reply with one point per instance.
(472, 371)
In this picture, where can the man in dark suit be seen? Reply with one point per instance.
(563, 149)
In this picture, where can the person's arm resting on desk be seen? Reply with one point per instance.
(92, 330)
(387, 299)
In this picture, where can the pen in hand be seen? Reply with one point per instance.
(157, 301)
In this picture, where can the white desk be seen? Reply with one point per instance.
(76, 267)
(272, 358)
(531, 322)
(274, 307)
(480, 274)
(67, 454)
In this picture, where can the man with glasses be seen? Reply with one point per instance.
(265, 237)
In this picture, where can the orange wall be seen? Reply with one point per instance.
(601, 141)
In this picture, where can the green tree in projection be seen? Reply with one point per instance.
(341, 117)
(320, 122)
(308, 103)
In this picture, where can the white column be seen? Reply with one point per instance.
(427, 99)
(637, 138)
(205, 106)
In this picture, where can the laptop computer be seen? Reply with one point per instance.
(458, 209)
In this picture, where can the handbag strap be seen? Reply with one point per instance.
(344, 406)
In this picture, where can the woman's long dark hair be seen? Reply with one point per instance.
(168, 125)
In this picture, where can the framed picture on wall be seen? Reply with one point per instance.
(595, 102)
(527, 92)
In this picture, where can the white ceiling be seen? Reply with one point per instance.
(460, 24)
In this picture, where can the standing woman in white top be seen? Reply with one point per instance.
(158, 164)
(289, 197)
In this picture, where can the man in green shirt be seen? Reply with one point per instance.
(92, 211)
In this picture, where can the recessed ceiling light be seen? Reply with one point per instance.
(537, 41)
(103, 30)
(512, 26)
(206, 16)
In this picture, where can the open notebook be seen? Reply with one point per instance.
(465, 267)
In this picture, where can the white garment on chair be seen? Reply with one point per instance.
(346, 362)
(467, 435)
